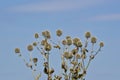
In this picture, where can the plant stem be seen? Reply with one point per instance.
(48, 66)
(88, 63)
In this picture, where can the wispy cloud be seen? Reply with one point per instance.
(55, 5)
(105, 17)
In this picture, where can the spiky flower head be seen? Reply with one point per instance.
(87, 35)
(101, 44)
(17, 50)
(93, 40)
(36, 35)
(30, 47)
(59, 32)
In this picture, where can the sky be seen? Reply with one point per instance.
(20, 19)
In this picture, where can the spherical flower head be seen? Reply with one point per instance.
(46, 34)
(79, 44)
(59, 32)
(64, 42)
(68, 37)
(35, 60)
(74, 51)
(69, 42)
(30, 47)
(93, 40)
(17, 50)
(34, 44)
(43, 33)
(75, 41)
(87, 35)
(70, 55)
(36, 35)
(101, 44)
(43, 42)
(47, 47)
(66, 55)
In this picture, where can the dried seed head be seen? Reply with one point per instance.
(63, 65)
(43, 33)
(46, 34)
(58, 77)
(78, 56)
(69, 42)
(68, 37)
(64, 42)
(17, 50)
(51, 71)
(74, 62)
(59, 32)
(43, 42)
(30, 47)
(93, 40)
(70, 55)
(75, 41)
(46, 71)
(47, 47)
(34, 44)
(83, 56)
(36, 35)
(87, 35)
(101, 44)
(84, 50)
(35, 60)
(45, 64)
(66, 55)
(71, 70)
(74, 51)
(79, 44)
(57, 46)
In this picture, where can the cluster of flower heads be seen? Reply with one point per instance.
(75, 55)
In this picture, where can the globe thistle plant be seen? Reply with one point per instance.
(76, 56)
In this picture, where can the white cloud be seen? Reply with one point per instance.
(55, 5)
(105, 17)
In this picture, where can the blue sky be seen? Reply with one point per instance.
(19, 20)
